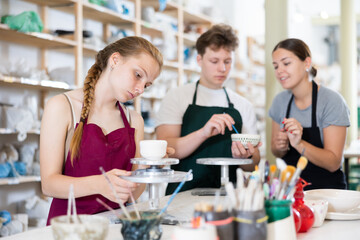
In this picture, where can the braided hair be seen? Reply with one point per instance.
(127, 47)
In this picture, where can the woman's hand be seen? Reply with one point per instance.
(281, 141)
(217, 125)
(294, 131)
(121, 186)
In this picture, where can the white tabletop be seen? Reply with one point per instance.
(182, 208)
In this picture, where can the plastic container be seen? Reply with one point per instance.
(146, 228)
(250, 225)
(281, 224)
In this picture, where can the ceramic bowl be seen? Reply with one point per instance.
(153, 149)
(319, 208)
(246, 138)
(339, 200)
(91, 227)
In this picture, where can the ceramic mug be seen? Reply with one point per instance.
(153, 149)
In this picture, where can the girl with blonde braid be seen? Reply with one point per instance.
(88, 128)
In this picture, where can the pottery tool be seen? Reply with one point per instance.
(175, 192)
(115, 194)
(108, 207)
(134, 203)
(233, 126)
(72, 205)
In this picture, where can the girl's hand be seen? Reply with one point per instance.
(294, 131)
(281, 141)
(120, 185)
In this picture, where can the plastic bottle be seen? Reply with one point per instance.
(306, 213)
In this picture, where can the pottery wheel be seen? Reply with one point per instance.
(162, 161)
(223, 161)
(174, 176)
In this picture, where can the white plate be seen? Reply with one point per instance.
(352, 215)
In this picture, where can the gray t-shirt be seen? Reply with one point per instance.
(331, 110)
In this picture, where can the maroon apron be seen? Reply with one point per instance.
(110, 151)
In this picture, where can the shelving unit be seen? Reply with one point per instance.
(19, 180)
(74, 45)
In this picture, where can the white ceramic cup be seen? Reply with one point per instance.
(153, 149)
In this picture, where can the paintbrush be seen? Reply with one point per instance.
(175, 192)
(301, 164)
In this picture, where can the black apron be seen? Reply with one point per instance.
(317, 176)
(206, 176)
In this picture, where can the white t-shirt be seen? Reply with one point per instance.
(177, 100)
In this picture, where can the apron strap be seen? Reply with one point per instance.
(123, 116)
(313, 104)
(231, 105)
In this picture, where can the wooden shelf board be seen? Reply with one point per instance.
(143, 96)
(40, 40)
(52, 3)
(171, 65)
(190, 17)
(150, 29)
(18, 180)
(189, 40)
(32, 83)
(105, 15)
(155, 4)
(188, 69)
(10, 131)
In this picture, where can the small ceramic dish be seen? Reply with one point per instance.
(319, 208)
(246, 138)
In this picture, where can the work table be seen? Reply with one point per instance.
(182, 208)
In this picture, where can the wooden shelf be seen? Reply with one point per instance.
(40, 40)
(151, 29)
(144, 96)
(90, 11)
(10, 131)
(19, 180)
(188, 69)
(171, 65)
(170, 6)
(104, 15)
(32, 83)
(191, 17)
(189, 40)
(52, 3)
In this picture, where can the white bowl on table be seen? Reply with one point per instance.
(340, 201)
(88, 227)
(246, 138)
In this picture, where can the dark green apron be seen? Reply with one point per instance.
(206, 176)
(317, 176)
